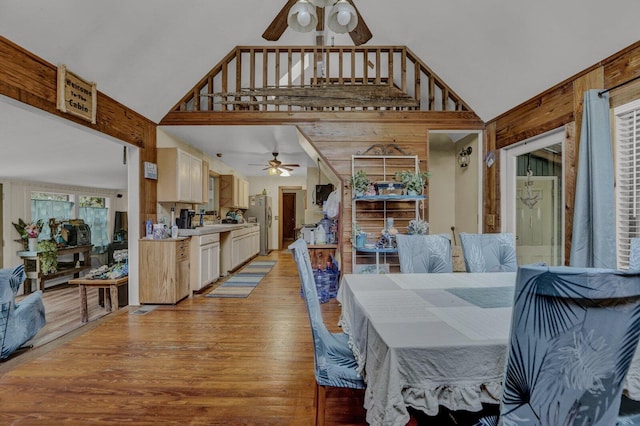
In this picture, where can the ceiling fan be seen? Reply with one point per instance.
(306, 15)
(275, 167)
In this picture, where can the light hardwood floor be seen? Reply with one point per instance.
(204, 361)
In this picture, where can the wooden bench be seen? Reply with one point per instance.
(110, 297)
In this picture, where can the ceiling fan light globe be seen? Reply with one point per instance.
(302, 17)
(273, 171)
(342, 17)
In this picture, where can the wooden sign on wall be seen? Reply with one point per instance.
(76, 96)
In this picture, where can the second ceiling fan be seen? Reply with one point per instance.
(307, 15)
(275, 167)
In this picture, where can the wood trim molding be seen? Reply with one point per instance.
(31, 80)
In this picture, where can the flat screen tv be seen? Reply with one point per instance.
(322, 193)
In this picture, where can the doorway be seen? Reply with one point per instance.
(534, 196)
(288, 218)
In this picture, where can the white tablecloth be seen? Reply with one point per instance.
(424, 340)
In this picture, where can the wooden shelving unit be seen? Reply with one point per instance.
(371, 212)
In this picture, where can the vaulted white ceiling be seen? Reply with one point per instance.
(147, 54)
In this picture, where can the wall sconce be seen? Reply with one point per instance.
(463, 157)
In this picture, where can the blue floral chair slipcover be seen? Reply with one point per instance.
(19, 322)
(424, 253)
(574, 332)
(489, 252)
(334, 362)
(634, 255)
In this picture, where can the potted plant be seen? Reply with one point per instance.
(28, 230)
(414, 182)
(48, 256)
(359, 183)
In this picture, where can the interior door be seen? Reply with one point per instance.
(288, 217)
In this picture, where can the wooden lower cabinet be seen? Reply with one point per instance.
(164, 270)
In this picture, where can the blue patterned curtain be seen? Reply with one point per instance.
(45, 209)
(97, 219)
(593, 242)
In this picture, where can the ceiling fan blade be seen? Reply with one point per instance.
(279, 24)
(361, 33)
(289, 165)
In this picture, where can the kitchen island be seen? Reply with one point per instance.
(216, 250)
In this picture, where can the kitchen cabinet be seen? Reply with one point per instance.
(238, 246)
(205, 182)
(164, 270)
(180, 176)
(205, 260)
(234, 192)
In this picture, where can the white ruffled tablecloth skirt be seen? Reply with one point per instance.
(420, 344)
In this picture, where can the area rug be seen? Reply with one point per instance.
(242, 283)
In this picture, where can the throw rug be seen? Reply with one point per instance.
(243, 282)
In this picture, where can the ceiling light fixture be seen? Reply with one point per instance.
(302, 17)
(342, 16)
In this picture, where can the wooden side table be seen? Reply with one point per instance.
(110, 297)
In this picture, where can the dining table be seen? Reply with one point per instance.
(430, 340)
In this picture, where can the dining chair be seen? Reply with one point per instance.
(634, 254)
(334, 362)
(489, 252)
(424, 253)
(574, 332)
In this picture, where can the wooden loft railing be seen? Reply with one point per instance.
(317, 78)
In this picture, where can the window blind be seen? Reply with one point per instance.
(627, 129)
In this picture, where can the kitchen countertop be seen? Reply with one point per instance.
(214, 229)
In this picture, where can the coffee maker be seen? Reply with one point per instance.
(186, 218)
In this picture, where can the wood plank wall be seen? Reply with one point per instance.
(336, 142)
(559, 106)
(30, 79)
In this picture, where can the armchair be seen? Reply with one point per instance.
(19, 322)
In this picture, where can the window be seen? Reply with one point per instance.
(627, 133)
(48, 205)
(93, 210)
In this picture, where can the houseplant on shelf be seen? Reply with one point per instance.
(414, 182)
(359, 183)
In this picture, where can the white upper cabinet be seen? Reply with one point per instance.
(180, 176)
